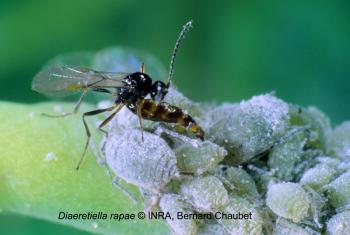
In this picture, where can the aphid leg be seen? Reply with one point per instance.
(109, 118)
(184, 176)
(290, 134)
(221, 175)
(227, 183)
(152, 203)
(88, 133)
(150, 199)
(116, 183)
(76, 108)
(138, 111)
(282, 140)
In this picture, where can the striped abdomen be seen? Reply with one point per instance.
(164, 112)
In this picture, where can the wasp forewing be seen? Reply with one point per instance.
(61, 80)
(75, 72)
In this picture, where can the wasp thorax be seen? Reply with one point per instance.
(140, 83)
(158, 90)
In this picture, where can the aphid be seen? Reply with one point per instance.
(205, 193)
(150, 168)
(130, 90)
(175, 206)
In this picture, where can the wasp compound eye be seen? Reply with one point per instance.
(158, 90)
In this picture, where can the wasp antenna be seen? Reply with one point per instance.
(184, 30)
(142, 67)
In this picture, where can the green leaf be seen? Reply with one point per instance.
(38, 177)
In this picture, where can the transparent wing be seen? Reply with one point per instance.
(61, 80)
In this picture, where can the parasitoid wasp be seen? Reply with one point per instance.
(130, 90)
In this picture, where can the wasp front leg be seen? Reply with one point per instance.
(139, 114)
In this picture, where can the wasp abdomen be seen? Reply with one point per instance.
(166, 112)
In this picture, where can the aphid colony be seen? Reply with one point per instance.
(280, 162)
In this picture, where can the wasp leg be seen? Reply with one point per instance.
(76, 108)
(142, 68)
(124, 190)
(139, 115)
(109, 118)
(88, 133)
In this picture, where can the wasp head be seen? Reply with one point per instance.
(158, 90)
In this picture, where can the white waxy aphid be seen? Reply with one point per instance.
(319, 124)
(206, 193)
(284, 156)
(329, 161)
(339, 190)
(197, 160)
(285, 227)
(338, 141)
(322, 120)
(317, 177)
(251, 127)
(339, 224)
(238, 181)
(150, 164)
(288, 200)
(250, 226)
(214, 114)
(174, 204)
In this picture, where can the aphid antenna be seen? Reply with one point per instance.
(184, 30)
(194, 142)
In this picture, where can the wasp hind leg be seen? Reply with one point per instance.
(88, 133)
(76, 108)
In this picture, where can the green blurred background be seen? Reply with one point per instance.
(300, 49)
